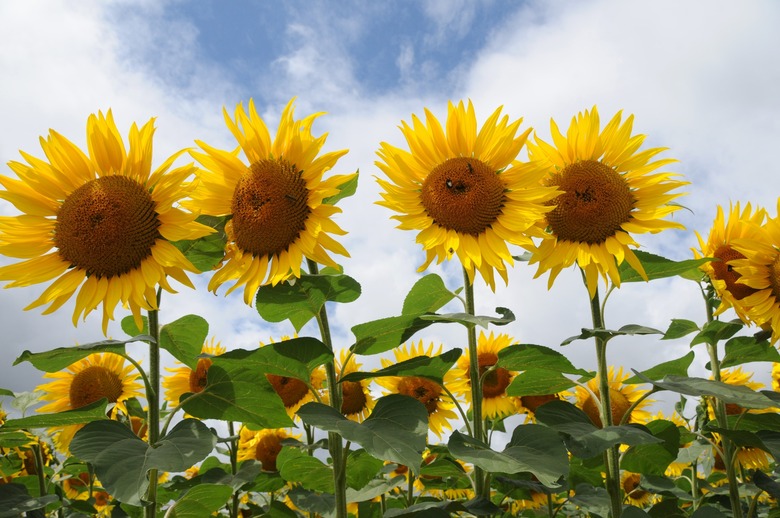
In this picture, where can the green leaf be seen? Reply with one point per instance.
(396, 429)
(592, 499)
(184, 338)
(384, 334)
(715, 331)
(736, 394)
(527, 357)
(678, 367)
(296, 466)
(609, 334)
(6, 392)
(432, 368)
(122, 460)
(346, 189)
(93, 412)
(474, 320)
(129, 327)
(206, 252)
(433, 509)
(538, 383)
(763, 481)
(361, 468)
(741, 438)
(746, 349)
(653, 459)
(373, 489)
(16, 501)
(13, 439)
(202, 500)
(426, 296)
(657, 267)
(679, 328)
(302, 299)
(312, 502)
(663, 486)
(237, 394)
(62, 357)
(294, 358)
(771, 440)
(532, 449)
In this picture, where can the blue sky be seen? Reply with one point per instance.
(701, 78)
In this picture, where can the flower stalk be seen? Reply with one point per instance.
(476, 385)
(153, 400)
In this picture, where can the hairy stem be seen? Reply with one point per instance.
(476, 387)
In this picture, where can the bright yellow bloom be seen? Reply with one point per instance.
(495, 403)
(262, 445)
(356, 399)
(621, 396)
(608, 194)
(99, 375)
(634, 495)
(99, 225)
(436, 401)
(278, 208)
(185, 380)
(457, 188)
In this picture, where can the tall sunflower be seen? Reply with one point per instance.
(495, 402)
(356, 399)
(99, 225)
(185, 380)
(621, 396)
(99, 375)
(436, 401)
(277, 204)
(458, 189)
(608, 194)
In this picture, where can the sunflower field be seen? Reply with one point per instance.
(392, 424)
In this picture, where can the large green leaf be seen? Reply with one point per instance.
(202, 500)
(678, 367)
(297, 467)
(373, 489)
(679, 328)
(715, 331)
(384, 334)
(16, 500)
(592, 499)
(294, 358)
(362, 467)
(427, 295)
(736, 394)
(526, 357)
(746, 349)
(768, 484)
(184, 338)
(396, 429)
(653, 459)
(538, 383)
(61, 357)
(657, 267)
(609, 334)
(206, 252)
(312, 501)
(93, 412)
(432, 368)
(302, 300)
(532, 449)
(122, 460)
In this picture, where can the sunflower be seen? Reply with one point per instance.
(101, 225)
(449, 488)
(77, 487)
(277, 205)
(262, 445)
(621, 397)
(99, 375)
(460, 192)
(432, 395)
(23, 458)
(528, 405)
(608, 194)
(634, 494)
(741, 224)
(356, 399)
(185, 380)
(495, 403)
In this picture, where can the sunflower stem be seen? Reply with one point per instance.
(335, 446)
(153, 400)
(38, 453)
(611, 455)
(233, 449)
(476, 386)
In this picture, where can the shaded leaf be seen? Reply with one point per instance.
(311, 501)
(432, 368)
(384, 334)
(609, 334)
(361, 468)
(294, 358)
(16, 500)
(716, 331)
(374, 488)
(678, 367)
(200, 501)
(62, 357)
(184, 338)
(661, 485)
(527, 357)
(474, 320)
(592, 499)
(653, 459)
(93, 412)
(657, 267)
(298, 467)
(736, 394)
(763, 481)
(206, 252)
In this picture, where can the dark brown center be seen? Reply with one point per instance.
(199, 375)
(267, 450)
(726, 273)
(495, 383)
(618, 402)
(291, 390)
(92, 384)
(425, 391)
(353, 399)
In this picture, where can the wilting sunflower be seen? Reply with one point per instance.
(278, 208)
(458, 190)
(99, 225)
(495, 403)
(635, 495)
(741, 224)
(99, 375)
(608, 194)
(621, 396)
(186, 380)
(262, 445)
(356, 399)
(436, 401)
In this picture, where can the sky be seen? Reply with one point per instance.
(700, 77)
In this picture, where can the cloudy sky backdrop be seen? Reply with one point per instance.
(700, 76)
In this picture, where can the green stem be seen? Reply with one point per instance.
(233, 450)
(460, 410)
(611, 455)
(410, 488)
(153, 400)
(38, 453)
(335, 445)
(476, 386)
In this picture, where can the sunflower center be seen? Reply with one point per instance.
(107, 226)
(774, 277)
(464, 195)
(534, 402)
(618, 402)
(92, 384)
(270, 207)
(631, 487)
(353, 399)
(596, 201)
(291, 390)
(199, 375)
(425, 391)
(724, 272)
(496, 382)
(267, 450)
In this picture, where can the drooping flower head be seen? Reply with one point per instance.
(432, 395)
(621, 397)
(98, 376)
(98, 225)
(608, 194)
(277, 203)
(456, 187)
(185, 380)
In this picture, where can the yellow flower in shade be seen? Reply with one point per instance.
(77, 488)
(529, 404)
(185, 380)
(98, 225)
(277, 204)
(24, 458)
(741, 224)
(608, 194)
(635, 495)
(675, 468)
(536, 500)
(456, 186)
(458, 488)
(262, 445)
(98, 376)
(356, 399)
(495, 403)
(621, 396)
(294, 392)
(436, 401)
